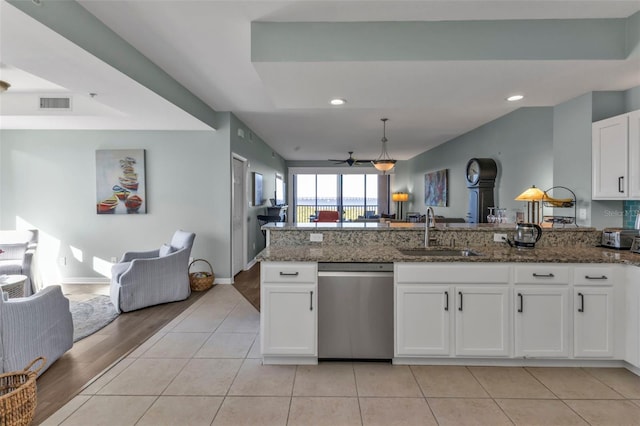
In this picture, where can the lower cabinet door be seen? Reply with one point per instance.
(422, 320)
(482, 321)
(542, 322)
(289, 319)
(593, 322)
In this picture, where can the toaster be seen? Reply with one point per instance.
(618, 238)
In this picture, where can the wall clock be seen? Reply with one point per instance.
(481, 179)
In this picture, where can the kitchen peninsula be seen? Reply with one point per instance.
(566, 302)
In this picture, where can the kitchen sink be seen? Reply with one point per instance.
(437, 252)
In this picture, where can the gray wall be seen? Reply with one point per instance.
(48, 181)
(262, 159)
(521, 143)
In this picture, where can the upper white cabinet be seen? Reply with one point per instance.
(616, 157)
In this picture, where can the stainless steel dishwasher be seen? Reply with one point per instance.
(355, 311)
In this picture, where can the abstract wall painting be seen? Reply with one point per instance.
(435, 188)
(120, 181)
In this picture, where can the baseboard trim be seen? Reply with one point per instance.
(223, 281)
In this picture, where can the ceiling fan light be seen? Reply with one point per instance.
(337, 101)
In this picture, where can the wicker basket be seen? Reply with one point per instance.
(18, 395)
(200, 281)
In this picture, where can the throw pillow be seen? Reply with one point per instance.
(165, 250)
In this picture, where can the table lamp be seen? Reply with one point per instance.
(532, 196)
(400, 197)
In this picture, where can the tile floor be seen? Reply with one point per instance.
(204, 369)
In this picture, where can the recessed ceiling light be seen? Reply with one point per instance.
(515, 98)
(337, 101)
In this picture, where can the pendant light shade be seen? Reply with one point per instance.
(4, 86)
(384, 163)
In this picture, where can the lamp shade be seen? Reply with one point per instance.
(531, 194)
(400, 196)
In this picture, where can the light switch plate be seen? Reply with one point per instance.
(316, 238)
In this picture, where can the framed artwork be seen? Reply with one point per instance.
(120, 181)
(436, 188)
(257, 189)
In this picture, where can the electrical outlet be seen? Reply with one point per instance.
(498, 238)
(114, 259)
(316, 238)
(582, 214)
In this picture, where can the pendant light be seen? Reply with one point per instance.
(384, 163)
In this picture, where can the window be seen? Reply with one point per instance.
(279, 190)
(354, 196)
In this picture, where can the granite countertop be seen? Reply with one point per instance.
(404, 226)
(497, 253)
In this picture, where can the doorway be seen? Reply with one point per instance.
(238, 214)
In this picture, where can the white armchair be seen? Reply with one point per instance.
(38, 325)
(18, 257)
(149, 278)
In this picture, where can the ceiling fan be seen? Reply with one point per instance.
(351, 161)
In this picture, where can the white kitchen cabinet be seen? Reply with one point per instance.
(542, 322)
(423, 317)
(593, 322)
(482, 321)
(616, 157)
(288, 315)
(632, 300)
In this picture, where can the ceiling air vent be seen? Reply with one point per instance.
(55, 103)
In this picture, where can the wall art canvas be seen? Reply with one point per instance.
(435, 188)
(120, 181)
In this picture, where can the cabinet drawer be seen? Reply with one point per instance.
(541, 274)
(452, 273)
(289, 272)
(593, 275)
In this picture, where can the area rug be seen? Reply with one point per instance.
(90, 313)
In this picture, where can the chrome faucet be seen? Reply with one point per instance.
(429, 222)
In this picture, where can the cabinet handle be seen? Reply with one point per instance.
(603, 277)
(289, 274)
(543, 275)
(620, 180)
(311, 301)
(581, 308)
(520, 309)
(460, 294)
(446, 300)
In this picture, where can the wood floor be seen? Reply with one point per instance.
(92, 355)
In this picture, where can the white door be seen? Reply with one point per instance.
(610, 158)
(482, 321)
(593, 322)
(289, 319)
(422, 319)
(237, 217)
(542, 322)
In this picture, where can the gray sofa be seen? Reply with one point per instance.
(38, 325)
(18, 257)
(149, 278)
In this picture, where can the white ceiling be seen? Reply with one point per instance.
(206, 46)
